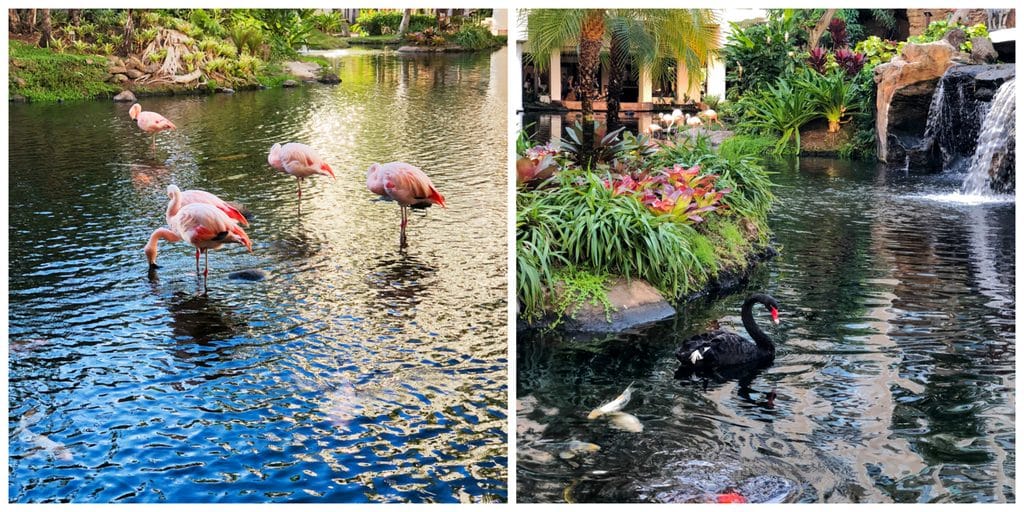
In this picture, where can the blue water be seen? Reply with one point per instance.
(355, 373)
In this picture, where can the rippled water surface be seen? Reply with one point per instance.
(356, 372)
(894, 374)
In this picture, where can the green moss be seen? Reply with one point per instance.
(41, 74)
(579, 287)
(704, 250)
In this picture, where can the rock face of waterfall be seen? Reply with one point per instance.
(958, 106)
(992, 165)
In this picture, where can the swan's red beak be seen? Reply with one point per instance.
(775, 316)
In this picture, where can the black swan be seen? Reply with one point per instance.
(720, 348)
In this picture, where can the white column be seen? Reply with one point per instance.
(556, 131)
(515, 96)
(646, 86)
(555, 76)
(716, 78)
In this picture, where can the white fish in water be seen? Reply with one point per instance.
(574, 448)
(613, 406)
(625, 421)
(42, 443)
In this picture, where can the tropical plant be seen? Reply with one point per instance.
(837, 34)
(763, 52)
(685, 194)
(818, 59)
(938, 29)
(878, 51)
(779, 109)
(587, 155)
(832, 94)
(850, 62)
(536, 164)
(475, 37)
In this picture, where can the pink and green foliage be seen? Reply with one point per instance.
(678, 191)
(837, 32)
(536, 165)
(818, 59)
(851, 62)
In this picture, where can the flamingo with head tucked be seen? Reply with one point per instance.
(406, 184)
(179, 198)
(150, 122)
(300, 161)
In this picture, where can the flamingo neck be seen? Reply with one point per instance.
(174, 204)
(152, 248)
(763, 341)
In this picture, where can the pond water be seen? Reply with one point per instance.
(357, 372)
(894, 377)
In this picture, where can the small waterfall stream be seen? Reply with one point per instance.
(995, 150)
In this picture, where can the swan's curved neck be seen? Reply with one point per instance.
(763, 340)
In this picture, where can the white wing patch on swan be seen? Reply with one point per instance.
(697, 355)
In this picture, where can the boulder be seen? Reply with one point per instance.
(289, 83)
(126, 96)
(634, 302)
(117, 70)
(20, 82)
(955, 37)
(225, 90)
(17, 98)
(119, 78)
(134, 73)
(329, 78)
(982, 51)
(135, 63)
(905, 87)
(152, 68)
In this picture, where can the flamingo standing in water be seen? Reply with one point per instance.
(300, 161)
(201, 224)
(179, 198)
(406, 184)
(150, 122)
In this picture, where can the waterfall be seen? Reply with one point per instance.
(994, 155)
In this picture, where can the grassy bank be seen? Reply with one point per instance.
(41, 74)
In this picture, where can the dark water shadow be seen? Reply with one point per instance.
(401, 279)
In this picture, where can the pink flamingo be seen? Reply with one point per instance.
(150, 122)
(179, 198)
(406, 184)
(203, 226)
(300, 161)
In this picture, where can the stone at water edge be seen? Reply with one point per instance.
(225, 90)
(634, 302)
(289, 83)
(329, 78)
(134, 74)
(251, 274)
(125, 96)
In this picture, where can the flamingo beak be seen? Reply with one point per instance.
(243, 238)
(775, 316)
(328, 169)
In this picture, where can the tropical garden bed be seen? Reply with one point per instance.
(679, 215)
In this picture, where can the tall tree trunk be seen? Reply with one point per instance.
(129, 32)
(31, 21)
(46, 29)
(591, 35)
(404, 26)
(14, 21)
(819, 29)
(619, 58)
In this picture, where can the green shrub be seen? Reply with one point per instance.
(476, 37)
(937, 29)
(832, 94)
(372, 22)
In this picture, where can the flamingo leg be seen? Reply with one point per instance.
(197, 261)
(405, 220)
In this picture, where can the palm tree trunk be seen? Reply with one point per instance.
(403, 27)
(616, 77)
(46, 29)
(591, 35)
(14, 21)
(129, 28)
